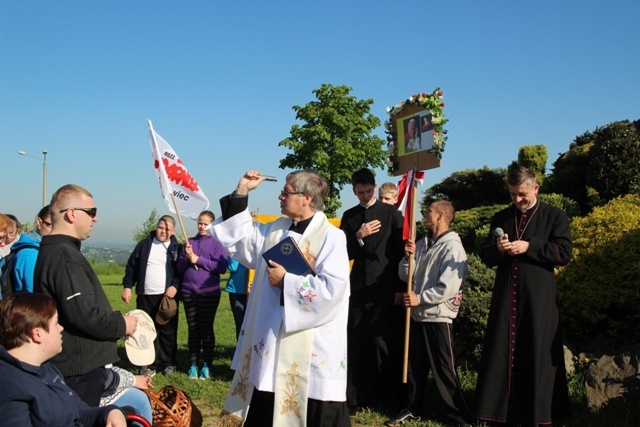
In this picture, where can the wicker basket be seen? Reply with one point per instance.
(172, 407)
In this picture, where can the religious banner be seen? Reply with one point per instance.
(415, 133)
(415, 139)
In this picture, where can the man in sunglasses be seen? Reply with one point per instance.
(91, 327)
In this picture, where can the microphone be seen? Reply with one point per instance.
(499, 232)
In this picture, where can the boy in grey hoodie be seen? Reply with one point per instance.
(440, 269)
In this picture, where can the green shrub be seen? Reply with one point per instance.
(466, 223)
(599, 291)
(569, 206)
(471, 322)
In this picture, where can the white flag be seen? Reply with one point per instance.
(174, 178)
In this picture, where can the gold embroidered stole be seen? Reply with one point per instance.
(294, 357)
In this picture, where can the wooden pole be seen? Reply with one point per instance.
(412, 236)
(184, 231)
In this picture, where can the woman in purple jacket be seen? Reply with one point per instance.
(201, 262)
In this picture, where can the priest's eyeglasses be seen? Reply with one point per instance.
(284, 193)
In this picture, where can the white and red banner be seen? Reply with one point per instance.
(405, 193)
(175, 179)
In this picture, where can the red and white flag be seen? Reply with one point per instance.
(405, 194)
(174, 178)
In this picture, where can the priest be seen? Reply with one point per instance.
(522, 374)
(291, 359)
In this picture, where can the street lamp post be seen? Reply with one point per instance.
(44, 173)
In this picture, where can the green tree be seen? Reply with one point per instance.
(334, 140)
(471, 188)
(141, 233)
(614, 168)
(533, 157)
(568, 176)
(599, 166)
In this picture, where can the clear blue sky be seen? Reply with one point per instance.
(219, 79)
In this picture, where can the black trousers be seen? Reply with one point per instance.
(319, 413)
(166, 342)
(200, 312)
(431, 349)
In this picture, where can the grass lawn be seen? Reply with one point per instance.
(209, 395)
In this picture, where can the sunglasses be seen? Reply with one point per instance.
(92, 212)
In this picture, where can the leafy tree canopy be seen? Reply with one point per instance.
(614, 167)
(471, 188)
(141, 233)
(533, 157)
(599, 166)
(334, 139)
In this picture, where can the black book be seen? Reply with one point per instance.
(287, 253)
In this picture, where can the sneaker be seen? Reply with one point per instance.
(147, 372)
(404, 415)
(193, 372)
(204, 372)
(169, 370)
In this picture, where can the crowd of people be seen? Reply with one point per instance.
(312, 349)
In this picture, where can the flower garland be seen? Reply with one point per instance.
(433, 103)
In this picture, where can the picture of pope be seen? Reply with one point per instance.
(412, 136)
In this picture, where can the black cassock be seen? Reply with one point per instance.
(522, 374)
(375, 327)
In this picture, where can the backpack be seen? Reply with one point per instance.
(7, 283)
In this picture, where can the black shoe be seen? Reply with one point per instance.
(404, 415)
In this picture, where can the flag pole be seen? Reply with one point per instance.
(412, 236)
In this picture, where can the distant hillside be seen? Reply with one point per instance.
(115, 255)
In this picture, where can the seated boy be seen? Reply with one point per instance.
(34, 392)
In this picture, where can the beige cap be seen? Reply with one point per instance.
(139, 346)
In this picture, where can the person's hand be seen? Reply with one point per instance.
(518, 247)
(193, 258)
(368, 228)
(409, 249)
(116, 419)
(171, 291)
(503, 243)
(249, 181)
(410, 299)
(131, 323)
(142, 382)
(188, 249)
(126, 295)
(276, 273)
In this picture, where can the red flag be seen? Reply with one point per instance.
(405, 194)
